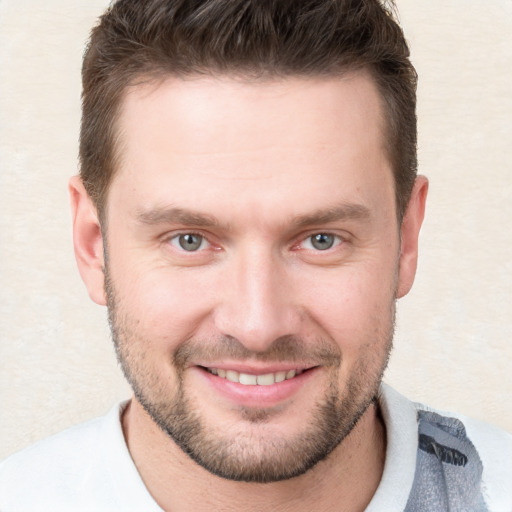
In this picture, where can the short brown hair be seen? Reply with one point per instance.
(149, 39)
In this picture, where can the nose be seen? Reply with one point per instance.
(256, 305)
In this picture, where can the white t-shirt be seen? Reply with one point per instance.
(89, 468)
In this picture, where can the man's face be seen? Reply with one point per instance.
(253, 265)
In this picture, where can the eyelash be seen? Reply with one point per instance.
(205, 243)
(176, 238)
(337, 240)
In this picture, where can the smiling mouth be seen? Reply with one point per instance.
(248, 379)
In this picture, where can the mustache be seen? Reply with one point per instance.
(290, 349)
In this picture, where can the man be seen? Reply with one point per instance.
(248, 209)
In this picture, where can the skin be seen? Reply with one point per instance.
(262, 163)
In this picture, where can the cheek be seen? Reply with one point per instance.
(165, 306)
(353, 305)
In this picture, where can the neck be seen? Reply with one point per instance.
(345, 481)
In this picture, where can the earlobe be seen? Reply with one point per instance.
(87, 240)
(410, 231)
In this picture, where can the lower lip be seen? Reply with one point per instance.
(258, 396)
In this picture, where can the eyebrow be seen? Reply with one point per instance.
(174, 215)
(185, 217)
(347, 211)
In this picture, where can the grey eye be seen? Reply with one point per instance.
(190, 242)
(322, 241)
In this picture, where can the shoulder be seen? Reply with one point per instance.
(449, 447)
(59, 452)
(78, 469)
(490, 444)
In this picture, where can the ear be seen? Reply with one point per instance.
(410, 231)
(87, 240)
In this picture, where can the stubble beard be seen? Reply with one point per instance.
(258, 454)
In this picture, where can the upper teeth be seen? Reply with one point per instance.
(266, 379)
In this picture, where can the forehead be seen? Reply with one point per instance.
(311, 106)
(265, 136)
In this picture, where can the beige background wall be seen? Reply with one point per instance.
(453, 346)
